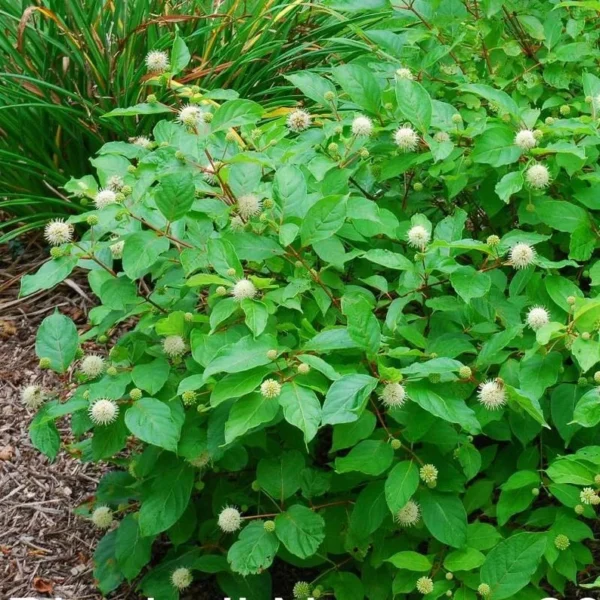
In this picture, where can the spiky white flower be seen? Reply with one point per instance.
(244, 288)
(58, 232)
(190, 115)
(270, 388)
(491, 394)
(299, 120)
(104, 411)
(537, 317)
(428, 473)
(181, 578)
(115, 183)
(249, 205)
(588, 496)
(409, 514)
(32, 396)
(522, 255)
(406, 139)
(441, 137)
(526, 139)
(418, 237)
(102, 517)
(393, 395)
(142, 141)
(157, 61)
(210, 172)
(425, 585)
(230, 519)
(538, 176)
(116, 249)
(404, 73)
(92, 365)
(362, 126)
(174, 345)
(105, 198)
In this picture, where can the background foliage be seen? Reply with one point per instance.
(324, 287)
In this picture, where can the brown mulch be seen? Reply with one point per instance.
(45, 550)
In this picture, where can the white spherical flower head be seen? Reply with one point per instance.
(105, 198)
(522, 255)
(174, 345)
(270, 388)
(116, 249)
(425, 585)
(102, 517)
(190, 115)
(589, 496)
(181, 578)
(32, 396)
(249, 205)
(393, 395)
(526, 139)
(537, 317)
(104, 412)
(58, 232)
(428, 473)
(404, 73)
(142, 141)
(418, 237)
(492, 395)
(92, 365)
(406, 139)
(157, 61)
(299, 120)
(230, 519)
(538, 176)
(362, 126)
(243, 289)
(409, 514)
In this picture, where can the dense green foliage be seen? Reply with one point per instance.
(361, 341)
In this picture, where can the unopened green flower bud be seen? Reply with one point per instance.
(195, 89)
(456, 118)
(484, 590)
(535, 491)
(231, 272)
(255, 486)
(449, 576)
(298, 264)
(207, 117)
(329, 96)
(585, 336)
(189, 397)
(268, 203)
(465, 372)
(549, 121)
(272, 354)
(493, 240)
(92, 220)
(221, 291)
(200, 485)
(188, 317)
(565, 110)
(338, 130)
(579, 509)
(151, 99)
(112, 371)
(269, 526)
(303, 369)
(538, 134)
(84, 202)
(131, 169)
(588, 99)
(135, 394)
(396, 444)
(126, 190)
(301, 590)
(86, 395)
(45, 363)
(179, 155)
(418, 186)
(571, 300)
(56, 252)
(582, 381)
(231, 137)
(388, 106)
(364, 153)
(317, 593)
(102, 339)
(562, 542)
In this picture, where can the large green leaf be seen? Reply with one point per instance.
(57, 341)
(323, 219)
(445, 517)
(175, 195)
(254, 550)
(301, 530)
(152, 421)
(301, 408)
(401, 484)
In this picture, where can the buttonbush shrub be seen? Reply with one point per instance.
(355, 343)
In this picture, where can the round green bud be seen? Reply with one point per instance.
(317, 593)
(561, 542)
(255, 486)
(112, 371)
(538, 134)
(244, 508)
(207, 117)
(86, 395)
(388, 106)
(585, 336)
(329, 96)
(188, 317)
(433, 355)
(333, 148)
(188, 397)
(586, 274)
(338, 130)
(465, 372)
(92, 220)
(126, 190)
(272, 354)
(256, 133)
(588, 99)
(135, 394)
(456, 118)
(179, 155)
(263, 217)
(298, 264)
(565, 110)
(449, 576)
(582, 381)
(231, 272)
(269, 526)
(364, 153)
(530, 207)
(230, 136)
(268, 203)
(535, 491)
(84, 202)
(571, 300)
(418, 186)
(56, 252)
(484, 590)
(396, 444)
(597, 377)
(597, 479)
(549, 121)
(102, 339)
(470, 438)
(151, 99)
(493, 240)
(435, 378)
(579, 509)
(301, 590)
(449, 594)
(200, 485)
(303, 369)
(468, 161)
(221, 291)
(195, 89)
(131, 169)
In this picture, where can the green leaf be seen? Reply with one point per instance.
(300, 530)
(414, 103)
(133, 552)
(562, 216)
(360, 84)
(203, 279)
(256, 315)
(281, 477)
(301, 408)
(175, 195)
(141, 252)
(144, 108)
(526, 402)
(235, 113)
(248, 413)
(363, 325)
(180, 56)
(44, 435)
(323, 219)
(57, 340)
(168, 497)
(498, 97)
(254, 550)
(151, 421)
(243, 355)
(290, 190)
(411, 561)
(445, 517)
(511, 564)
(106, 571)
(468, 559)
(346, 398)
(509, 185)
(587, 410)
(49, 274)
(470, 283)
(237, 385)
(313, 86)
(539, 373)
(152, 376)
(371, 457)
(496, 147)
(401, 484)
(388, 259)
